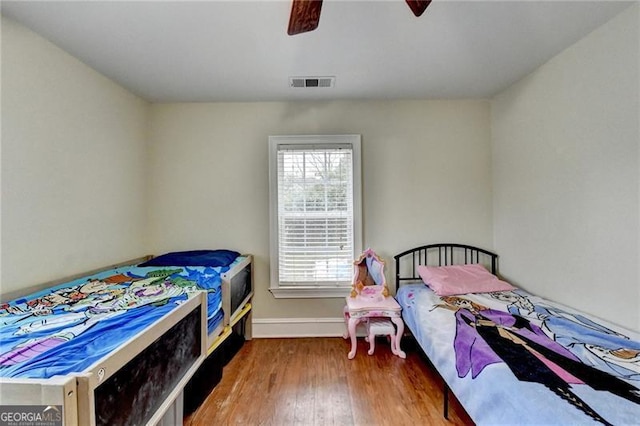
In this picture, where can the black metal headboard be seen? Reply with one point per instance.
(440, 254)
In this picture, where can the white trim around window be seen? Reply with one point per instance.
(315, 192)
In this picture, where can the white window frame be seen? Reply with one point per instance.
(312, 291)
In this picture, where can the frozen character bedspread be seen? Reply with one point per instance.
(68, 327)
(514, 358)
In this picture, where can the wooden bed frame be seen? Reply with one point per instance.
(440, 254)
(235, 310)
(76, 393)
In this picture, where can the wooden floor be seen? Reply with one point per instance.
(310, 381)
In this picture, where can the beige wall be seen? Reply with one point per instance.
(426, 174)
(566, 175)
(79, 179)
(73, 164)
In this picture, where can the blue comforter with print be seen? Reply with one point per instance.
(69, 327)
(511, 357)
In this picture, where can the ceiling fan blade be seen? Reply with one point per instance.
(418, 6)
(305, 16)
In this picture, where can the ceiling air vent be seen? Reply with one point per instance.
(312, 81)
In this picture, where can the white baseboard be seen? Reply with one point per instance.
(298, 327)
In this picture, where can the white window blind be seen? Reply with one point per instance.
(317, 222)
(315, 215)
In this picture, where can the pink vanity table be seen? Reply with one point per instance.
(370, 299)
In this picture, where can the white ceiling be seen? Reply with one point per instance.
(168, 51)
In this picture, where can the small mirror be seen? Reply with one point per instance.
(368, 279)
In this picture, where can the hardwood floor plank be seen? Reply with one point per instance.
(310, 382)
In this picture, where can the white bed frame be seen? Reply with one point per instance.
(75, 392)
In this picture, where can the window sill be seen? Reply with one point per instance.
(309, 292)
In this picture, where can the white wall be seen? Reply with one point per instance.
(73, 164)
(566, 179)
(426, 174)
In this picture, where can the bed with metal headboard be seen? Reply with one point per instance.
(440, 255)
(511, 357)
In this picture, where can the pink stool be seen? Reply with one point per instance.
(359, 310)
(382, 327)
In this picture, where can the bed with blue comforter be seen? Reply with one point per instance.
(511, 357)
(67, 328)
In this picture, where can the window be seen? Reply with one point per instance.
(316, 231)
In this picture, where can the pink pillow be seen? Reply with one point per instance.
(461, 279)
